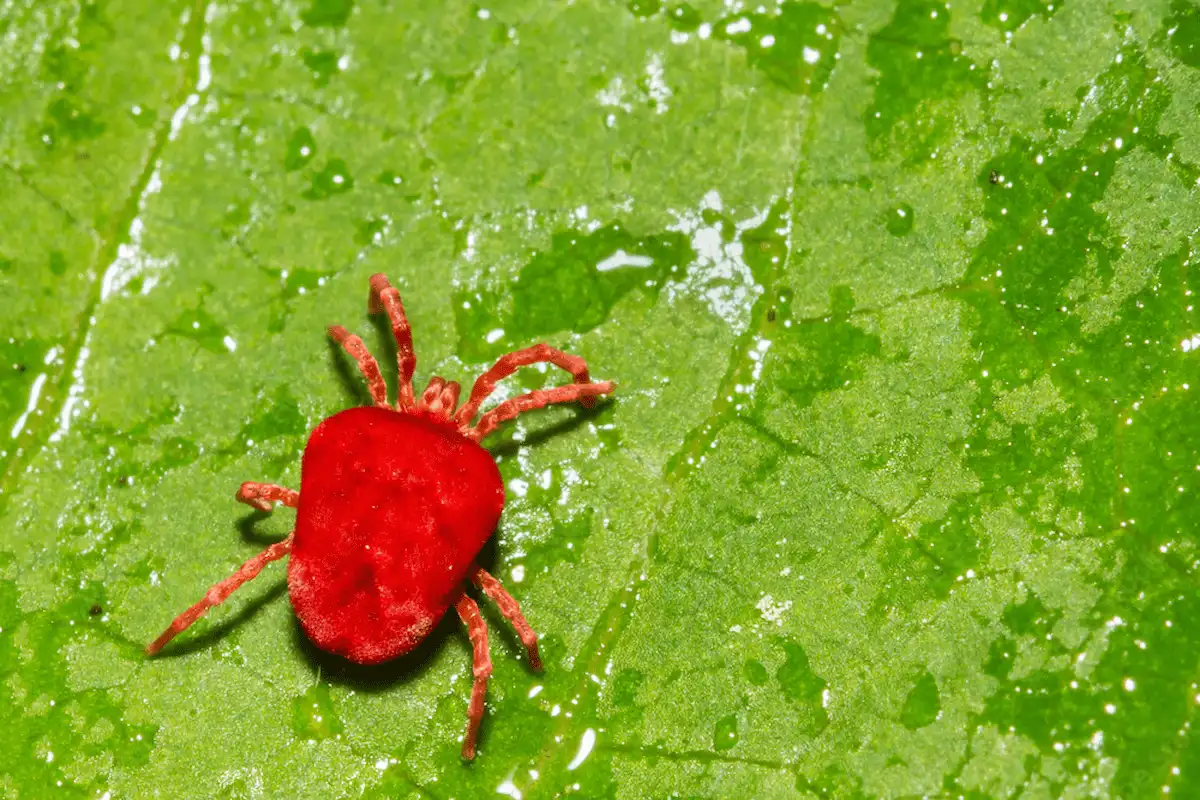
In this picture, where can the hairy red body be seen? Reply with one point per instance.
(385, 535)
(394, 505)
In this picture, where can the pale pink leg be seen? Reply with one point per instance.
(477, 631)
(262, 495)
(485, 384)
(511, 610)
(366, 362)
(385, 297)
(219, 592)
(527, 402)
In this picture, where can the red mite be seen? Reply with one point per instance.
(394, 506)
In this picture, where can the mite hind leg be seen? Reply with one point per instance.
(481, 669)
(262, 495)
(220, 591)
(511, 610)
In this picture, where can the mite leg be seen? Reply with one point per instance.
(440, 397)
(477, 631)
(449, 398)
(262, 495)
(432, 394)
(485, 384)
(220, 591)
(385, 297)
(366, 362)
(527, 402)
(511, 610)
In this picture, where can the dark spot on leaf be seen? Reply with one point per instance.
(1183, 32)
(323, 63)
(333, 179)
(570, 287)
(923, 704)
(796, 679)
(795, 46)
(802, 686)
(1010, 15)
(918, 64)
(825, 354)
(684, 18)
(300, 149)
(69, 118)
(389, 178)
(644, 8)
(834, 783)
(755, 673)
(178, 452)
(281, 417)
(367, 230)
(1030, 617)
(626, 686)
(327, 13)
(202, 328)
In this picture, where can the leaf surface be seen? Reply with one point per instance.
(896, 494)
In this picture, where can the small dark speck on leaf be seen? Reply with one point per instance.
(770, 315)
(994, 177)
(20, 367)
(96, 610)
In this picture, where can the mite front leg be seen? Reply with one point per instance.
(506, 365)
(539, 399)
(366, 363)
(220, 591)
(384, 297)
(482, 669)
(262, 495)
(511, 610)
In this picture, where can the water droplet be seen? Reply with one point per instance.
(300, 149)
(725, 733)
(334, 178)
(900, 220)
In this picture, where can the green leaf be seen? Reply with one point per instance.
(897, 493)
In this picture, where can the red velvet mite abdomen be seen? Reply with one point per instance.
(393, 510)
